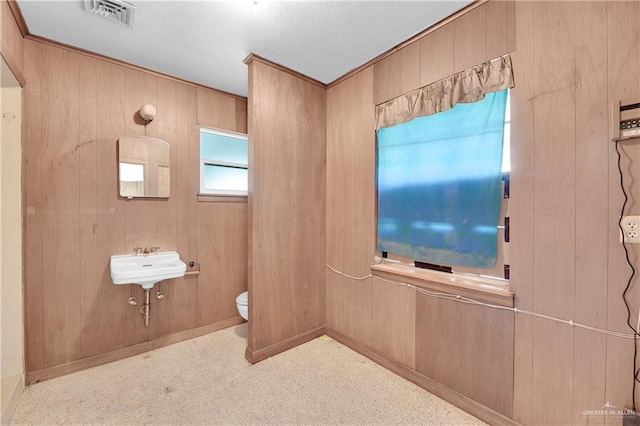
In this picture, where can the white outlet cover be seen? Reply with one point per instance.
(630, 228)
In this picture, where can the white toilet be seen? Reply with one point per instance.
(242, 302)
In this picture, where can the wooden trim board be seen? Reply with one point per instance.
(254, 57)
(464, 403)
(12, 66)
(264, 353)
(94, 361)
(19, 18)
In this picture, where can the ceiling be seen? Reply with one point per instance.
(207, 41)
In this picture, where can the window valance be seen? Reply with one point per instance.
(466, 86)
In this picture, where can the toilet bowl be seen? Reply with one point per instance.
(242, 302)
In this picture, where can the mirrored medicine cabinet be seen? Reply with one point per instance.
(143, 167)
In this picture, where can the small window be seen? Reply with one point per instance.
(223, 162)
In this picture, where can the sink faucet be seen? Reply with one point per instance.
(139, 251)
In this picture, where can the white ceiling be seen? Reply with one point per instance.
(206, 41)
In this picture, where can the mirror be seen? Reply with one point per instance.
(143, 167)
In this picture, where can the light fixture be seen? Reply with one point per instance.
(147, 112)
(259, 5)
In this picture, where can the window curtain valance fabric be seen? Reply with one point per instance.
(466, 86)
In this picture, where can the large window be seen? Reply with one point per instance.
(223, 162)
(440, 184)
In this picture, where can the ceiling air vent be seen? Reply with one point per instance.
(114, 10)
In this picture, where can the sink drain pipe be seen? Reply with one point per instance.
(145, 310)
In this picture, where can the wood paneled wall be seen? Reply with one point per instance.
(571, 59)
(484, 33)
(287, 148)
(11, 42)
(75, 108)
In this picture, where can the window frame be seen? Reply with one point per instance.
(461, 272)
(214, 162)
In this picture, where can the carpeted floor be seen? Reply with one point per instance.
(208, 381)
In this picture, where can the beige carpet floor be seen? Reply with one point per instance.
(208, 381)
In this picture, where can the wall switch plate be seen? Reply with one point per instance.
(630, 229)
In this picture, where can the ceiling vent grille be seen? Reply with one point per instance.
(114, 10)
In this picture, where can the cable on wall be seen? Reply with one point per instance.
(626, 289)
(463, 299)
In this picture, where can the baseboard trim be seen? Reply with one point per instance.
(94, 361)
(10, 407)
(264, 353)
(464, 403)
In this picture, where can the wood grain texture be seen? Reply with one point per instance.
(76, 107)
(11, 42)
(241, 116)
(381, 76)
(351, 204)
(467, 348)
(437, 55)
(32, 201)
(623, 85)
(287, 151)
(87, 184)
(166, 237)
(394, 322)
(470, 39)
(555, 247)
(521, 208)
(60, 200)
(216, 110)
(112, 311)
(497, 28)
(222, 241)
(591, 189)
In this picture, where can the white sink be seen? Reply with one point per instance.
(146, 270)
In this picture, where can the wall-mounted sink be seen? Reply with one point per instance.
(146, 270)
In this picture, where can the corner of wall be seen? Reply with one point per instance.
(12, 388)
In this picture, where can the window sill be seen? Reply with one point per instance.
(482, 289)
(220, 198)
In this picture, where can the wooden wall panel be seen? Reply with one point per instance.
(87, 148)
(113, 327)
(521, 208)
(11, 42)
(437, 55)
(591, 189)
(468, 349)
(216, 110)
(32, 218)
(470, 34)
(381, 76)
(571, 59)
(623, 84)
(497, 28)
(223, 241)
(60, 232)
(350, 205)
(394, 322)
(287, 153)
(241, 116)
(166, 237)
(76, 107)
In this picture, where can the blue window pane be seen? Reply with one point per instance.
(439, 184)
(225, 178)
(214, 146)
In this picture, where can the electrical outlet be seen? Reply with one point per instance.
(630, 229)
